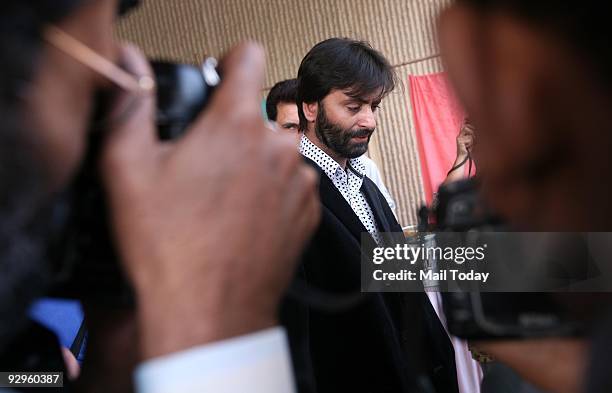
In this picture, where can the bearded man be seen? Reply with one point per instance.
(366, 347)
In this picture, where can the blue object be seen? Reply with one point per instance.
(61, 316)
(263, 110)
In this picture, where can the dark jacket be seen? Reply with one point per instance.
(382, 343)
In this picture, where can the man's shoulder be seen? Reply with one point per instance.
(371, 169)
(367, 161)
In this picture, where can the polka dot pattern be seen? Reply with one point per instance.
(348, 182)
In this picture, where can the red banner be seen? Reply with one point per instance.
(437, 118)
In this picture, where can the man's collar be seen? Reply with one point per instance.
(326, 162)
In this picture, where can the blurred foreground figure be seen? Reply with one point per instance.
(208, 228)
(535, 78)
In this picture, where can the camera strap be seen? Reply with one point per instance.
(462, 163)
(79, 340)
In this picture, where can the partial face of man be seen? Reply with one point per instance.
(287, 117)
(41, 160)
(542, 118)
(345, 124)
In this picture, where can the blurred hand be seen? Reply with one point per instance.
(465, 140)
(209, 227)
(556, 365)
(72, 364)
(111, 350)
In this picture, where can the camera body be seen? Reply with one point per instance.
(83, 253)
(495, 315)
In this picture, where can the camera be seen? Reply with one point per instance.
(83, 254)
(478, 314)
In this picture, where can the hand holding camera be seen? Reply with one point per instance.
(227, 173)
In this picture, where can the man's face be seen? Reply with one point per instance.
(287, 117)
(345, 124)
(62, 94)
(542, 118)
(56, 105)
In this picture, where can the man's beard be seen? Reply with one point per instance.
(338, 139)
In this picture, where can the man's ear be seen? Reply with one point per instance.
(310, 111)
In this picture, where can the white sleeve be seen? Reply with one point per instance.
(255, 363)
(373, 174)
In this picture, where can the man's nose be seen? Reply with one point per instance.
(367, 119)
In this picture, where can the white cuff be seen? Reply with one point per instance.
(254, 363)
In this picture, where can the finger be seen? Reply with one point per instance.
(243, 74)
(284, 157)
(72, 365)
(140, 105)
(133, 133)
(272, 126)
(306, 214)
(237, 100)
(309, 186)
(235, 109)
(310, 204)
(312, 178)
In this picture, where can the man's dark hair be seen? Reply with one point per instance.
(342, 64)
(585, 25)
(282, 92)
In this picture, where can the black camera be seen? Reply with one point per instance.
(477, 314)
(83, 254)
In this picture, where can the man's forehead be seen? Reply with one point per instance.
(354, 94)
(288, 112)
(286, 106)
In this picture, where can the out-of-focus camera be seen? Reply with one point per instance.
(83, 253)
(493, 315)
